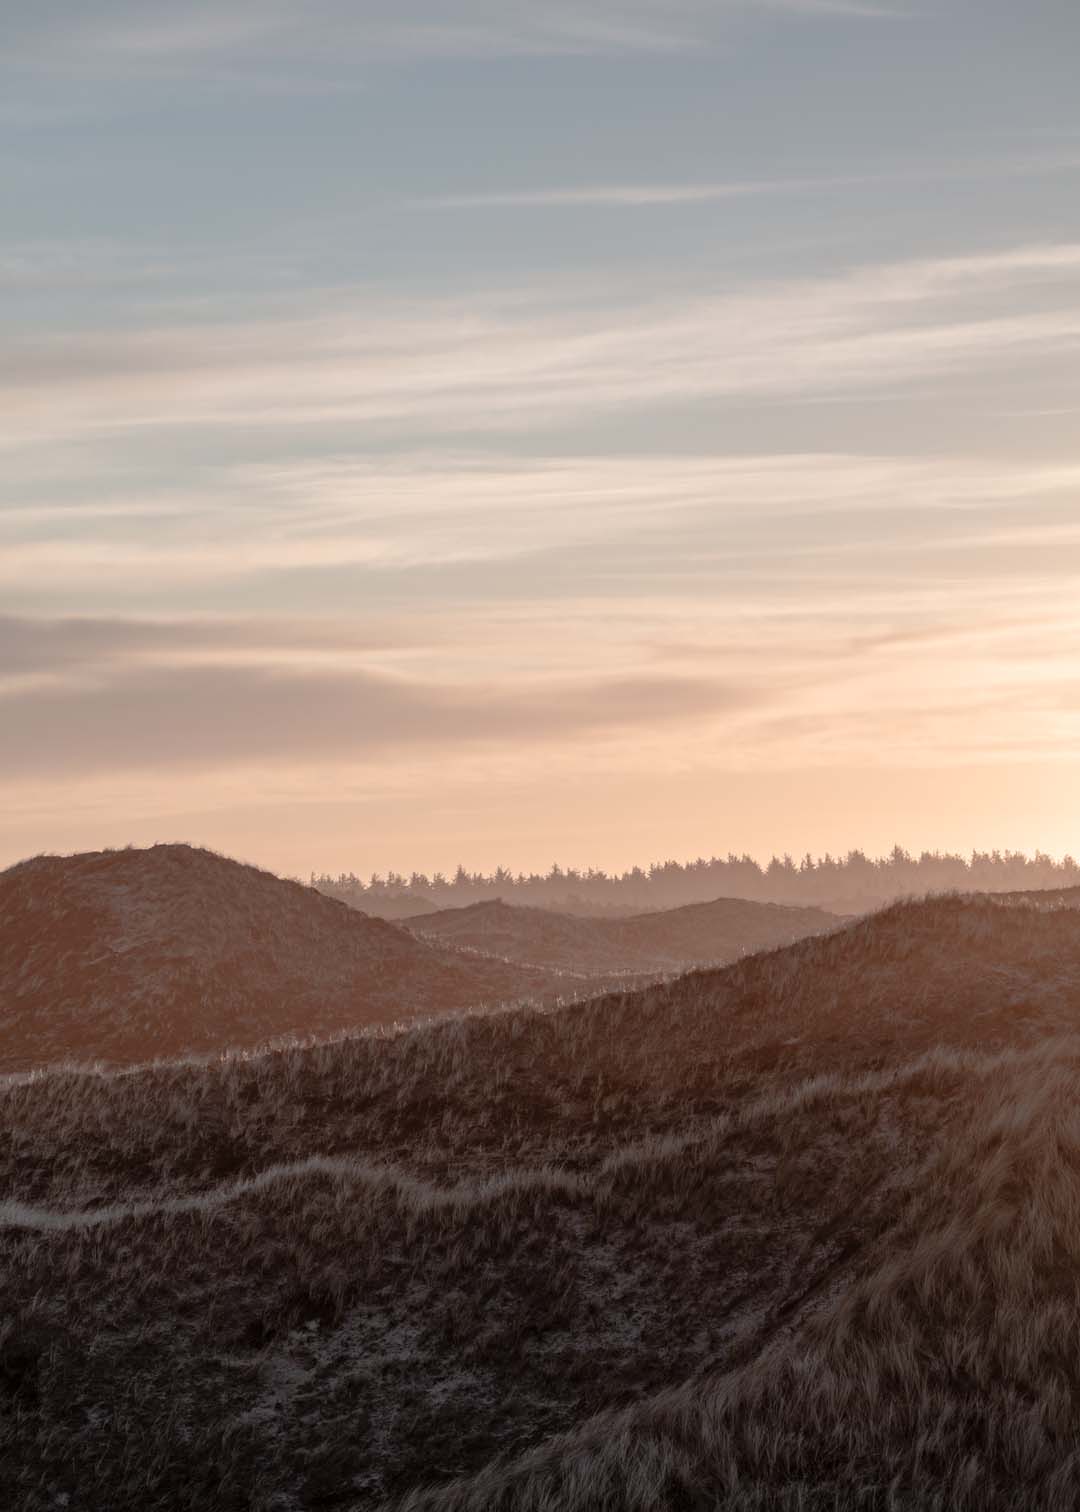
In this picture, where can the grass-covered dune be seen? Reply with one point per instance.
(126, 955)
(801, 1232)
(651, 944)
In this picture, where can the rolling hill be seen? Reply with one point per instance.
(121, 956)
(801, 1232)
(652, 944)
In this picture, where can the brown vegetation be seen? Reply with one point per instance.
(122, 956)
(801, 1232)
(656, 944)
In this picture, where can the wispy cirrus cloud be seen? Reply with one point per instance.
(265, 523)
(660, 195)
(535, 356)
(120, 34)
(54, 647)
(623, 196)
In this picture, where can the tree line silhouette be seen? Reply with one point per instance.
(847, 883)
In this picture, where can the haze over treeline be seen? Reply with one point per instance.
(855, 880)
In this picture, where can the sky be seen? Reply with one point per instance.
(501, 432)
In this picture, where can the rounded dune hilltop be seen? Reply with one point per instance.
(132, 955)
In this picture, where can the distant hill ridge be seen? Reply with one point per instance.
(651, 944)
(132, 955)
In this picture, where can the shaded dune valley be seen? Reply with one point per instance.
(302, 1209)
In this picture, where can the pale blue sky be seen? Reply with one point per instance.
(420, 410)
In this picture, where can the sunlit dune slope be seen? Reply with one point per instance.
(123, 956)
(653, 943)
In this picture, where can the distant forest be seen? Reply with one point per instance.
(846, 884)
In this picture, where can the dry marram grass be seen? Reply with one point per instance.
(802, 1232)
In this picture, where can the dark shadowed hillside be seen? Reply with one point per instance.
(122, 956)
(652, 944)
(797, 1233)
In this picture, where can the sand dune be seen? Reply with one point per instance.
(801, 1227)
(653, 944)
(121, 956)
